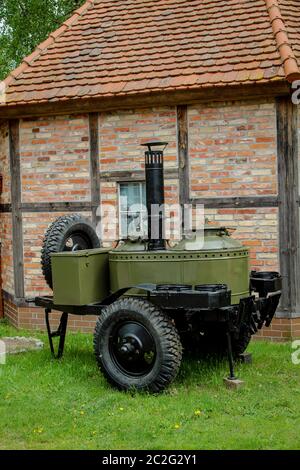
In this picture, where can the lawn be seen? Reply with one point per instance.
(46, 404)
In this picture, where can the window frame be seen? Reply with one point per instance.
(142, 188)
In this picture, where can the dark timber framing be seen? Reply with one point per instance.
(210, 203)
(289, 229)
(94, 165)
(17, 222)
(183, 154)
(237, 202)
(137, 175)
(287, 201)
(5, 208)
(142, 100)
(56, 207)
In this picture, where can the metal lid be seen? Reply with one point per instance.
(81, 253)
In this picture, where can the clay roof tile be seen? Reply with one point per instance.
(141, 46)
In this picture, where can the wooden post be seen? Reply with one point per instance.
(183, 151)
(17, 222)
(94, 164)
(289, 229)
(1, 298)
(183, 163)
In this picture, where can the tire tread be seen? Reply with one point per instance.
(53, 235)
(165, 329)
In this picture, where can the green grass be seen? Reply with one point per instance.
(67, 404)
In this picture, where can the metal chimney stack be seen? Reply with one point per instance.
(154, 168)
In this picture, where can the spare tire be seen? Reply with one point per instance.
(67, 233)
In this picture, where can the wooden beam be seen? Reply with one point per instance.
(95, 165)
(236, 202)
(119, 177)
(289, 229)
(1, 298)
(50, 207)
(139, 176)
(141, 100)
(57, 207)
(18, 302)
(5, 208)
(17, 222)
(183, 154)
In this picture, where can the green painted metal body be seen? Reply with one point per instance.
(85, 277)
(81, 277)
(219, 260)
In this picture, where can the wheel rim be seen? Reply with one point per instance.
(132, 349)
(77, 242)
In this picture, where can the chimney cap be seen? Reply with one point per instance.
(155, 144)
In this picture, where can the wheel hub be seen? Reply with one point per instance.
(77, 242)
(130, 348)
(133, 348)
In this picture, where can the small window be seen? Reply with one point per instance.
(132, 209)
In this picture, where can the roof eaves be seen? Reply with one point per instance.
(284, 47)
(48, 42)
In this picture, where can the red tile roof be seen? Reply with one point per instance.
(121, 47)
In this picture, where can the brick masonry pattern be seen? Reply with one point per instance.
(7, 253)
(233, 149)
(121, 135)
(34, 227)
(122, 132)
(255, 228)
(55, 163)
(60, 146)
(33, 318)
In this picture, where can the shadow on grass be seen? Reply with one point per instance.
(193, 371)
(79, 361)
(202, 369)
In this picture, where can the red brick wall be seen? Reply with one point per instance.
(109, 197)
(121, 135)
(6, 253)
(299, 138)
(11, 313)
(34, 228)
(34, 318)
(281, 329)
(233, 149)
(5, 219)
(55, 167)
(55, 163)
(122, 132)
(232, 153)
(257, 228)
(1, 293)
(295, 328)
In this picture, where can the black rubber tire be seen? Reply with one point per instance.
(57, 235)
(164, 333)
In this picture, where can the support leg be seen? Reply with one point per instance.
(230, 357)
(60, 333)
(231, 382)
